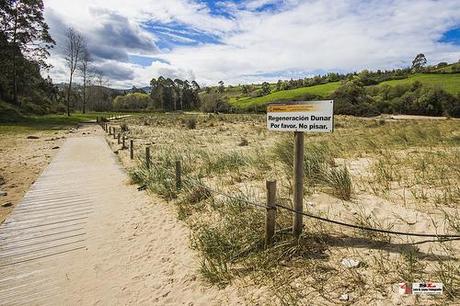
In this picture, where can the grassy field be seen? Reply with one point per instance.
(47, 122)
(381, 173)
(448, 82)
(292, 94)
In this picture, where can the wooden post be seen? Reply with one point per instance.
(114, 134)
(119, 138)
(110, 130)
(147, 157)
(178, 175)
(131, 149)
(124, 144)
(298, 184)
(271, 213)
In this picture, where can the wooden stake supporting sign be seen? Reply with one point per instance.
(298, 183)
(147, 157)
(300, 117)
(270, 217)
(178, 175)
(131, 149)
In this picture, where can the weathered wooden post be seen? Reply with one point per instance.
(300, 117)
(119, 138)
(131, 149)
(178, 175)
(270, 216)
(147, 157)
(124, 144)
(114, 134)
(110, 130)
(298, 183)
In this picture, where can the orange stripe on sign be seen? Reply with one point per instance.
(291, 108)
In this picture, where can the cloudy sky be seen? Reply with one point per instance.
(251, 41)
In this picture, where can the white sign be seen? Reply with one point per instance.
(302, 116)
(421, 288)
(427, 288)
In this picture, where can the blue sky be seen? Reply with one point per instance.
(451, 36)
(252, 41)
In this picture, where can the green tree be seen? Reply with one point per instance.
(352, 99)
(221, 87)
(245, 89)
(24, 28)
(132, 102)
(419, 62)
(265, 88)
(279, 85)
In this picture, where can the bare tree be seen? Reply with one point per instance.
(73, 51)
(83, 67)
(98, 91)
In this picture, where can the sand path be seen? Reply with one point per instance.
(82, 235)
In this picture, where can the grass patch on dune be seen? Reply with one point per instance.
(319, 167)
(361, 155)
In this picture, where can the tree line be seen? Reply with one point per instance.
(25, 42)
(25, 45)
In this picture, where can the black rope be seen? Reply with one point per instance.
(365, 228)
(197, 183)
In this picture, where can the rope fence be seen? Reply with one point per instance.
(272, 204)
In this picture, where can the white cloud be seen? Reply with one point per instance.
(308, 36)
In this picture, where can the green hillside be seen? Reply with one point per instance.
(448, 82)
(322, 90)
(451, 68)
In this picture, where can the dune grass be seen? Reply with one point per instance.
(409, 163)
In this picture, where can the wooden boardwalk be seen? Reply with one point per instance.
(47, 235)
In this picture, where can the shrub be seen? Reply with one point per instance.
(124, 127)
(8, 113)
(32, 108)
(352, 99)
(244, 142)
(190, 123)
(339, 180)
(214, 103)
(132, 101)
